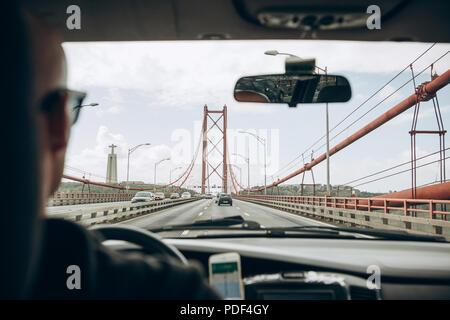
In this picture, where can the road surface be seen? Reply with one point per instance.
(206, 209)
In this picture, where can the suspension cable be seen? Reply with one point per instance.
(357, 108)
(391, 168)
(397, 173)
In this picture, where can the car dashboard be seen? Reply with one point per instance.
(328, 269)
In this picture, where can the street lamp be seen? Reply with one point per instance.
(263, 141)
(129, 152)
(170, 173)
(248, 169)
(156, 164)
(76, 110)
(93, 104)
(275, 53)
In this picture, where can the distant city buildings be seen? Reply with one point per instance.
(131, 182)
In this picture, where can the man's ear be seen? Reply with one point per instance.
(58, 125)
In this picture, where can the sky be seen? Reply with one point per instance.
(155, 92)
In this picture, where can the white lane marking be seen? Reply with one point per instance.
(200, 213)
(246, 214)
(205, 208)
(185, 232)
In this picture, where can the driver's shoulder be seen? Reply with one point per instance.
(66, 250)
(108, 274)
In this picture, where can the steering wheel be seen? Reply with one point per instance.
(151, 242)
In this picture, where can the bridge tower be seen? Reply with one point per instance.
(214, 119)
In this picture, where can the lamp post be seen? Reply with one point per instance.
(263, 141)
(93, 104)
(130, 151)
(248, 169)
(328, 152)
(76, 110)
(275, 53)
(170, 173)
(156, 164)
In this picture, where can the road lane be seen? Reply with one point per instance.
(184, 213)
(270, 217)
(207, 209)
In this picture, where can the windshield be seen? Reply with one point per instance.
(173, 102)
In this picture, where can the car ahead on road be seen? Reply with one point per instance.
(225, 198)
(209, 196)
(185, 195)
(175, 196)
(159, 196)
(143, 197)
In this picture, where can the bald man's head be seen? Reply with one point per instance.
(48, 59)
(49, 74)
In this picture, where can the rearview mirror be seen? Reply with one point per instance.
(293, 89)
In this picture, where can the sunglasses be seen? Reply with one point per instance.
(74, 102)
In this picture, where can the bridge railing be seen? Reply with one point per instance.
(416, 215)
(425, 208)
(64, 199)
(117, 212)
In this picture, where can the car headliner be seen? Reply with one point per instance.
(145, 20)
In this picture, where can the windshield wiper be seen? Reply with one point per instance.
(227, 223)
(213, 224)
(377, 233)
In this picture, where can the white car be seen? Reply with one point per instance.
(160, 196)
(143, 197)
(185, 195)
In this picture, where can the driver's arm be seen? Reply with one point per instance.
(137, 276)
(101, 273)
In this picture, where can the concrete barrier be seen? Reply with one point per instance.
(120, 212)
(394, 219)
(66, 199)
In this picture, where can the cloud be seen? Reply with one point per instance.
(93, 159)
(188, 74)
(248, 108)
(390, 94)
(349, 170)
(111, 103)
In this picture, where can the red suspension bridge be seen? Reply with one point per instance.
(427, 203)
